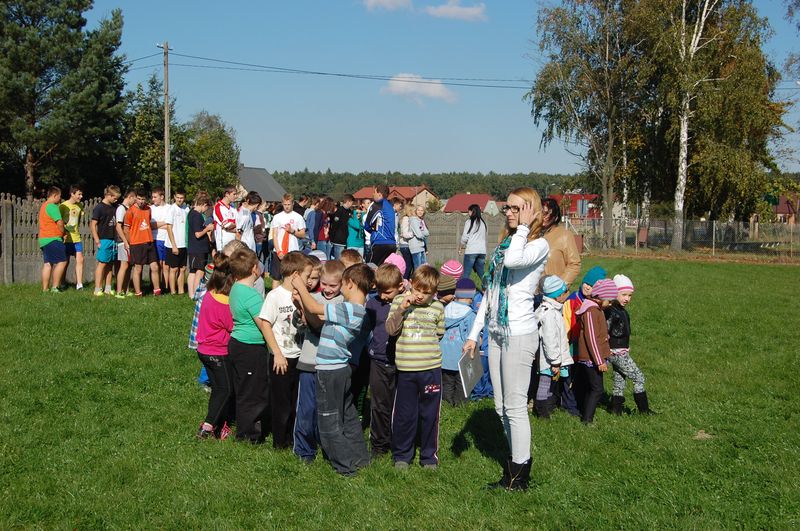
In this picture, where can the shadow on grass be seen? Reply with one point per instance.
(484, 429)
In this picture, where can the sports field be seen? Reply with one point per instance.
(99, 409)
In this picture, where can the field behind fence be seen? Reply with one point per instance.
(20, 257)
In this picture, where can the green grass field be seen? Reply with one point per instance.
(99, 410)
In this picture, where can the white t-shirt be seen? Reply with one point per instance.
(279, 222)
(121, 210)
(245, 226)
(222, 216)
(159, 214)
(278, 309)
(177, 217)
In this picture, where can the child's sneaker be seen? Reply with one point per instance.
(120, 295)
(401, 465)
(156, 292)
(79, 287)
(130, 294)
(206, 431)
(55, 290)
(98, 293)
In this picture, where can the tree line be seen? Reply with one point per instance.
(444, 185)
(65, 116)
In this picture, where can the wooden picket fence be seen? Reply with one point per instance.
(20, 255)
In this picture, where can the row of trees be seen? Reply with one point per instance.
(442, 184)
(65, 116)
(664, 100)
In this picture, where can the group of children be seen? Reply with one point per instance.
(581, 335)
(295, 362)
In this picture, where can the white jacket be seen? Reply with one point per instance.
(525, 261)
(555, 345)
(474, 242)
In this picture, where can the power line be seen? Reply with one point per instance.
(145, 57)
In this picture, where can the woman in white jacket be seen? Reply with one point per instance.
(507, 309)
(554, 357)
(473, 240)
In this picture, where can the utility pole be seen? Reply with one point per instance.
(167, 194)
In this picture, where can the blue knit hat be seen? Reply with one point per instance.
(465, 289)
(553, 286)
(593, 275)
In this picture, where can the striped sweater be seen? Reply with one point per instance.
(419, 329)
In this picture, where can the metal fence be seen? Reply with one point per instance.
(702, 237)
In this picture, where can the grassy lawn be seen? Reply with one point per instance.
(100, 408)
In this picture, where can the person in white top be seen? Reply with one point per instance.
(473, 241)
(507, 309)
(176, 243)
(286, 229)
(123, 247)
(245, 225)
(158, 216)
(225, 219)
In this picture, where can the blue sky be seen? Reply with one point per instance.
(292, 121)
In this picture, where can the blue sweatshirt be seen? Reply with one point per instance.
(381, 223)
(458, 320)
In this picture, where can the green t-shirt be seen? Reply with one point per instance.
(54, 213)
(245, 305)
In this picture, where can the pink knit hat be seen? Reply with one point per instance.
(452, 268)
(396, 260)
(623, 283)
(604, 289)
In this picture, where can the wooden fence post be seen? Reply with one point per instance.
(7, 238)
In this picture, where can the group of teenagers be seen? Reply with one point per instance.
(294, 361)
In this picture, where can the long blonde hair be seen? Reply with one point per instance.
(529, 195)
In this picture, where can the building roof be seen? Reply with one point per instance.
(787, 204)
(461, 202)
(261, 181)
(406, 192)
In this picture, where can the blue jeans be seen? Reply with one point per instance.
(406, 254)
(337, 250)
(339, 428)
(325, 247)
(419, 259)
(306, 432)
(475, 262)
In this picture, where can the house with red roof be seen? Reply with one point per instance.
(786, 209)
(416, 195)
(579, 205)
(461, 203)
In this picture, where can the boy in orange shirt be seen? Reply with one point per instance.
(51, 241)
(138, 231)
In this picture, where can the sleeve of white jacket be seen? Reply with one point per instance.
(550, 339)
(480, 319)
(465, 233)
(521, 253)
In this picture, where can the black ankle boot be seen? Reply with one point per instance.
(616, 404)
(542, 408)
(642, 403)
(520, 475)
(503, 483)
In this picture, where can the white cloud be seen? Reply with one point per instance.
(416, 88)
(453, 9)
(389, 5)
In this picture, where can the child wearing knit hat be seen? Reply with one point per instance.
(554, 355)
(593, 349)
(619, 331)
(458, 320)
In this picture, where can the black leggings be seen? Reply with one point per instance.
(221, 401)
(588, 383)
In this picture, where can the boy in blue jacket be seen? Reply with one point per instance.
(380, 223)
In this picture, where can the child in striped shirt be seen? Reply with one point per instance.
(418, 320)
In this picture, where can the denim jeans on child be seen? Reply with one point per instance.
(339, 428)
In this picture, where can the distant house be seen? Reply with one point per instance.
(416, 195)
(579, 205)
(261, 181)
(786, 209)
(461, 203)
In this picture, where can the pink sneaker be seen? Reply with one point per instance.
(225, 432)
